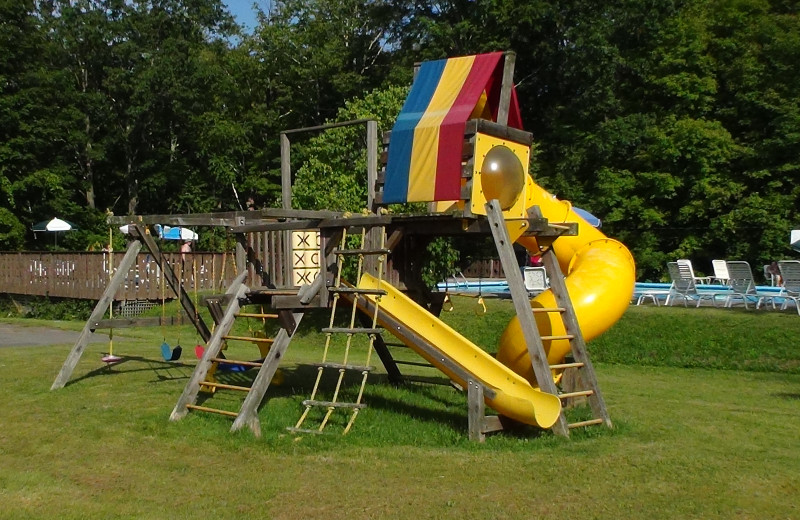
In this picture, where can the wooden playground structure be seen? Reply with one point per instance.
(356, 280)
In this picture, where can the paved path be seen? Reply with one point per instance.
(22, 336)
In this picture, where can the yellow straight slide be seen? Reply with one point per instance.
(514, 396)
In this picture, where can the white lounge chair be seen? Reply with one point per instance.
(720, 271)
(697, 279)
(743, 286)
(790, 272)
(685, 287)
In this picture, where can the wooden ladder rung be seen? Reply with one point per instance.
(560, 366)
(304, 430)
(249, 338)
(361, 251)
(561, 336)
(226, 361)
(414, 363)
(331, 404)
(339, 366)
(345, 330)
(590, 422)
(256, 315)
(540, 310)
(211, 410)
(580, 393)
(225, 386)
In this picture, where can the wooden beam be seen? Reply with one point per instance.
(505, 88)
(493, 129)
(326, 126)
(99, 311)
(286, 173)
(294, 225)
(223, 219)
(477, 410)
(372, 162)
(379, 344)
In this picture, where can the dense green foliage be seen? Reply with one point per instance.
(675, 122)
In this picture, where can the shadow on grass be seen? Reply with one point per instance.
(154, 365)
(434, 402)
(789, 396)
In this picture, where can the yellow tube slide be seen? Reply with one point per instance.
(600, 278)
(514, 396)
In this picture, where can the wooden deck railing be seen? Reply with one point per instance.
(86, 275)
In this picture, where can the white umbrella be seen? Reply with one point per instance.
(54, 225)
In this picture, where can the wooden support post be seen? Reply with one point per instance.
(477, 410)
(379, 344)
(522, 306)
(372, 162)
(99, 311)
(248, 414)
(241, 256)
(286, 203)
(286, 173)
(505, 88)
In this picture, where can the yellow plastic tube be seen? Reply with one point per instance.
(600, 279)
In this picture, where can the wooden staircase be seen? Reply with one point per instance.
(213, 359)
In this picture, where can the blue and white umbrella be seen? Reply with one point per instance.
(175, 233)
(168, 232)
(588, 217)
(794, 239)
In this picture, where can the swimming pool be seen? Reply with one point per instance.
(654, 290)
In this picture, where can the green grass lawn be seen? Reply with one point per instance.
(705, 402)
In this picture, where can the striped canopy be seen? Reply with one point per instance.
(424, 162)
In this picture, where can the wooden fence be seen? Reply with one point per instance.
(86, 275)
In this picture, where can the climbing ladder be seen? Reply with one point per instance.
(581, 366)
(203, 377)
(371, 251)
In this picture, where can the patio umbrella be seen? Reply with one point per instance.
(794, 239)
(175, 233)
(54, 225)
(588, 217)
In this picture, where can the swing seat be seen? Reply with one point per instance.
(110, 359)
(170, 354)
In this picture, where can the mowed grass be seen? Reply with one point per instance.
(705, 402)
